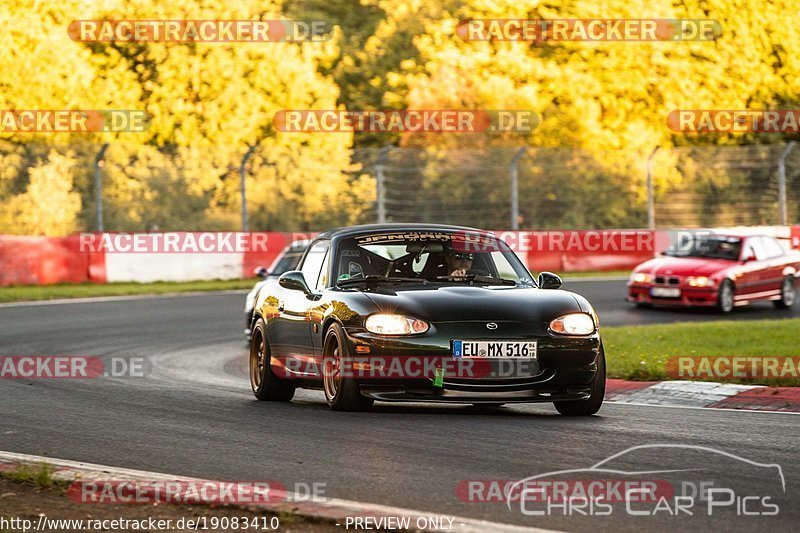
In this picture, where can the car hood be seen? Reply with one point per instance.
(464, 303)
(684, 266)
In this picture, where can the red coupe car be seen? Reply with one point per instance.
(721, 271)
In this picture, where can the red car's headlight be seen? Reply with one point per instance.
(641, 277)
(700, 281)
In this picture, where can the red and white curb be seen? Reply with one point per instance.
(704, 394)
(333, 509)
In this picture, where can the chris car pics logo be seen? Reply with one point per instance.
(676, 480)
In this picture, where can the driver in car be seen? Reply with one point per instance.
(452, 263)
(727, 249)
(458, 263)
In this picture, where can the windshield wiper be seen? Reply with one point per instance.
(472, 278)
(374, 278)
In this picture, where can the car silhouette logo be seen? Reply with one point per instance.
(491, 325)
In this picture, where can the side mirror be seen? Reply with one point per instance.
(748, 256)
(548, 280)
(294, 280)
(261, 272)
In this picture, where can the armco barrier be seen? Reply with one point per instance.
(227, 255)
(575, 251)
(276, 242)
(46, 260)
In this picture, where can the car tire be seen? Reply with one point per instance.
(788, 294)
(341, 392)
(265, 384)
(592, 404)
(725, 297)
(248, 331)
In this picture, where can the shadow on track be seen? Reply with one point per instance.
(382, 411)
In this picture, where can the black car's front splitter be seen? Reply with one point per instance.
(402, 394)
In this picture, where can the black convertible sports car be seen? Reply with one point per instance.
(424, 313)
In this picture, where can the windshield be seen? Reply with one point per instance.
(713, 248)
(287, 262)
(433, 257)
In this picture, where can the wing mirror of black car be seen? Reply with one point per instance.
(548, 280)
(294, 280)
(261, 272)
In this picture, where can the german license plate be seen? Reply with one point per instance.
(665, 292)
(495, 349)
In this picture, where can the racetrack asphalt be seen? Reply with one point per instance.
(194, 415)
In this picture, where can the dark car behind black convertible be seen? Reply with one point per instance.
(424, 313)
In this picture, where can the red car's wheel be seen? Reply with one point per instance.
(725, 298)
(788, 294)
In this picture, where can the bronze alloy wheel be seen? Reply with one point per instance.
(258, 356)
(331, 373)
(265, 384)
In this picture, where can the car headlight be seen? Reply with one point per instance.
(641, 277)
(700, 281)
(388, 324)
(573, 324)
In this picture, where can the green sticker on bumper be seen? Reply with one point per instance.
(438, 380)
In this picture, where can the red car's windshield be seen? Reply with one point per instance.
(712, 248)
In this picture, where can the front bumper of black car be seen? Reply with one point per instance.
(565, 367)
